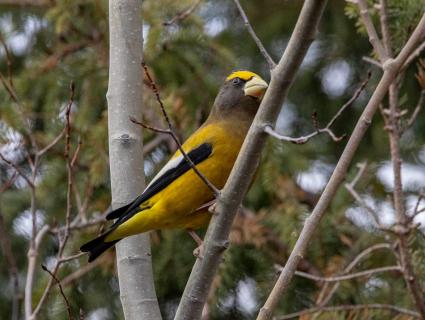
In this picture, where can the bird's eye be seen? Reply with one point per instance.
(236, 81)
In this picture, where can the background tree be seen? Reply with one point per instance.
(50, 44)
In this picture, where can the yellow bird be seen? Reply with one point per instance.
(176, 197)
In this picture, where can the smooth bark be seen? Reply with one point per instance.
(124, 96)
(216, 240)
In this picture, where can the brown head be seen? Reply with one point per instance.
(239, 97)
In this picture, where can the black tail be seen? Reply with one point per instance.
(97, 246)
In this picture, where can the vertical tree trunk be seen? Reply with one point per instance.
(124, 96)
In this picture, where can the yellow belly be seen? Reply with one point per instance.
(176, 205)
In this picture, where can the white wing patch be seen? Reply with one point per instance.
(169, 165)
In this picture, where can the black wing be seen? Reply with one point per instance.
(196, 155)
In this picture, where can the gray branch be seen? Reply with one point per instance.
(391, 68)
(216, 239)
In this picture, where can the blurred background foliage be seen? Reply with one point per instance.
(52, 43)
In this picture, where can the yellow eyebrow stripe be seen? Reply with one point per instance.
(244, 75)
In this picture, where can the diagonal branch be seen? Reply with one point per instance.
(326, 295)
(216, 239)
(371, 31)
(68, 306)
(182, 15)
(266, 55)
(365, 273)
(351, 188)
(391, 69)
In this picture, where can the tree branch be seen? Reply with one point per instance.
(371, 31)
(391, 68)
(355, 307)
(326, 295)
(124, 96)
(182, 15)
(216, 239)
(270, 62)
(68, 306)
(365, 273)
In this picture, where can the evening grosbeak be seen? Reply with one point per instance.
(177, 197)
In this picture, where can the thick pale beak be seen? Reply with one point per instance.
(255, 87)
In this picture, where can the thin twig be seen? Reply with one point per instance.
(73, 257)
(324, 299)
(386, 37)
(52, 144)
(371, 31)
(182, 15)
(8, 61)
(184, 154)
(351, 188)
(18, 170)
(372, 61)
(266, 55)
(172, 133)
(9, 182)
(304, 139)
(68, 306)
(62, 238)
(365, 273)
(83, 270)
(414, 55)
(416, 112)
(355, 307)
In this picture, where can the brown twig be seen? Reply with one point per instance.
(18, 170)
(170, 131)
(63, 238)
(8, 61)
(41, 152)
(355, 307)
(184, 154)
(68, 306)
(9, 182)
(304, 139)
(182, 15)
(270, 62)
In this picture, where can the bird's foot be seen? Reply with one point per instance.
(199, 252)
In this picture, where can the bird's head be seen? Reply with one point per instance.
(240, 95)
